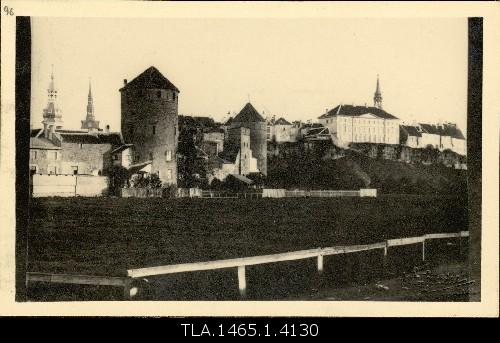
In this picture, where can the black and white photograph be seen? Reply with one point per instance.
(239, 159)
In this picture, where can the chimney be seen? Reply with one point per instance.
(124, 82)
(106, 129)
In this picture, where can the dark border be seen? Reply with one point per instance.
(474, 151)
(23, 103)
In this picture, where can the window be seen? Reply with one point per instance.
(52, 169)
(33, 169)
(169, 174)
(54, 155)
(33, 154)
(150, 155)
(81, 145)
(168, 155)
(158, 94)
(154, 129)
(74, 169)
(115, 157)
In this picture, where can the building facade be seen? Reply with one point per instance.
(55, 151)
(149, 110)
(361, 124)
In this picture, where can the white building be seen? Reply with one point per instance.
(441, 137)
(362, 124)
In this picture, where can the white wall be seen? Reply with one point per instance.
(68, 185)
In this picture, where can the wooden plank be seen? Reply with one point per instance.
(352, 248)
(77, 279)
(442, 235)
(220, 264)
(404, 241)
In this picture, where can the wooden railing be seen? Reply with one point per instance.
(239, 263)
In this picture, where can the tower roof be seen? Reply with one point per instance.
(151, 78)
(248, 114)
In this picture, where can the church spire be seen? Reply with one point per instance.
(377, 98)
(52, 114)
(90, 104)
(90, 123)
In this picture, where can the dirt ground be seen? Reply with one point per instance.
(444, 282)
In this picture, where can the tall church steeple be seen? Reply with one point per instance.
(52, 114)
(90, 123)
(377, 98)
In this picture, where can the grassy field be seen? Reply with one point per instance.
(105, 236)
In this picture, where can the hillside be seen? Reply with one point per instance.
(312, 170)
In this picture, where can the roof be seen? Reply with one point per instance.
(229, 121)
(134, 168)
(241, 178)
(151, 78)
(453, 131)
(113, 138)
(429, 128)
(319, 130)
(312, 125)
(411, 130)
(42, 143)
(355, 111)
(121, 148)
(248, 114)
(282, 121)
(35, 132)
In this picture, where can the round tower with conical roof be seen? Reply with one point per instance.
(251, 119)
(149, 110)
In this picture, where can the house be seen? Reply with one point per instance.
(236, 158)
(91, 151)
(361, 124)
(281, 131)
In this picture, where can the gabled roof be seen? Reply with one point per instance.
(282, 121)
(356, 111)
(411, 130)
(229, 121)
(113, 138)
(453, 131)
(151, 78)
(42, 143)
(248, 114)
(241, 178)
(429, 128)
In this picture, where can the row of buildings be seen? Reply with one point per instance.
(348, 124)
(149, 137)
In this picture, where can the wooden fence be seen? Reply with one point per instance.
(239, 263)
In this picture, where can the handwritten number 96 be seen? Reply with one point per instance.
(8, 11)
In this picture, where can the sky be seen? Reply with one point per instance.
(295, 68)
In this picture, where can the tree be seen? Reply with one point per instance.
(118, 178)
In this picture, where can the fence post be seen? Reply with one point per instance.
(126, 289)
(242, 282)
(320, 264)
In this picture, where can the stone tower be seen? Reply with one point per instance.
(90, 123)
(251, 119)
(149, 120)
(52, 116)
(377, 98)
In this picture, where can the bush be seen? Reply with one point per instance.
(148, 181)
